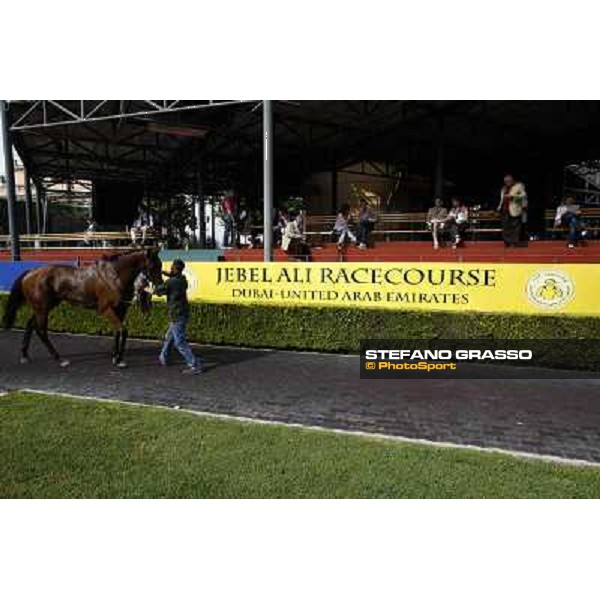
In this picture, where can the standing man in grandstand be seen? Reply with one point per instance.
(279, 224)
(228, 214)
(175, 289)
(513, 208)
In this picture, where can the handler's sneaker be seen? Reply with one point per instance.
(192, 371)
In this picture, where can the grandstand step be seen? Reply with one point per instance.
(535, 252)
(481, 251)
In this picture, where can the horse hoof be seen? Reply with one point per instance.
(121, 364)
(24, 360)
(64, 363)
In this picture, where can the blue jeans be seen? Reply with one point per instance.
(176, 337)
(345, 234)
(364, 229)
(571, 221)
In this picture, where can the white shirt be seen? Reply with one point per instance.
(291, 233)
(460, 214)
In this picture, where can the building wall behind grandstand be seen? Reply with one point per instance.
(399, 190)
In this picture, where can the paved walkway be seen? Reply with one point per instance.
(557, 417)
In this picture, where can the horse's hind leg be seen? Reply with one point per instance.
(41, 322)
(27, 340)
(121, 311)
(124, 334)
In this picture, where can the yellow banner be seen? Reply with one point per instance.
(571, 289)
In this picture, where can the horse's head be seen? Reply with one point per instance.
(141, 293)
(153, 267)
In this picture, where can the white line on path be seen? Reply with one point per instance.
(205, 345)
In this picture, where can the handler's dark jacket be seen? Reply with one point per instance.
(175, 288)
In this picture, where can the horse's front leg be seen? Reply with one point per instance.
(115, 316)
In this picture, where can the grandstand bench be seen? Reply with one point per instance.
(103, 239)
(589, 215)
(320, 227)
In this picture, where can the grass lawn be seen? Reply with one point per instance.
(54, 447)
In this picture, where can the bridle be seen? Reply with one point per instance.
(141, 296)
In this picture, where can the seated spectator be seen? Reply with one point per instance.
(88, 236)
(293, 242)
(568, 215)
(366, 222)
(301, 220)
(436, 221)
(342, 227)
(245, 223)
(458, 221)
(141, 226)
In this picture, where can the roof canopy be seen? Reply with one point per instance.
(163, 143)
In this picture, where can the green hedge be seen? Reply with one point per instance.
(328, 329)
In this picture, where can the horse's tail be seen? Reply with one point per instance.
(15, 301)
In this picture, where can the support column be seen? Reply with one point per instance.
(334, 190)
(38, 205)
(212, 223)
(28, 203)
(45, 215)
(438, 178)
(268, 180)
(91, 207)
(169, 207)
(160, 212)
(200, 216)
(148, 205)
(11, 195)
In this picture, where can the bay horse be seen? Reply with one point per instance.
(107, 286)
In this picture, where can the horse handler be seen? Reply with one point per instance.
(175, 289)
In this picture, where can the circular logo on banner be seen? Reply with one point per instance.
(550, 289)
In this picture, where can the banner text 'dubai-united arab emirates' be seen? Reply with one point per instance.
(570, 289)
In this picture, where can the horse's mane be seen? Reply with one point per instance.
(116, 257)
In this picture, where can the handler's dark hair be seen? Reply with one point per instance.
(179, 264)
